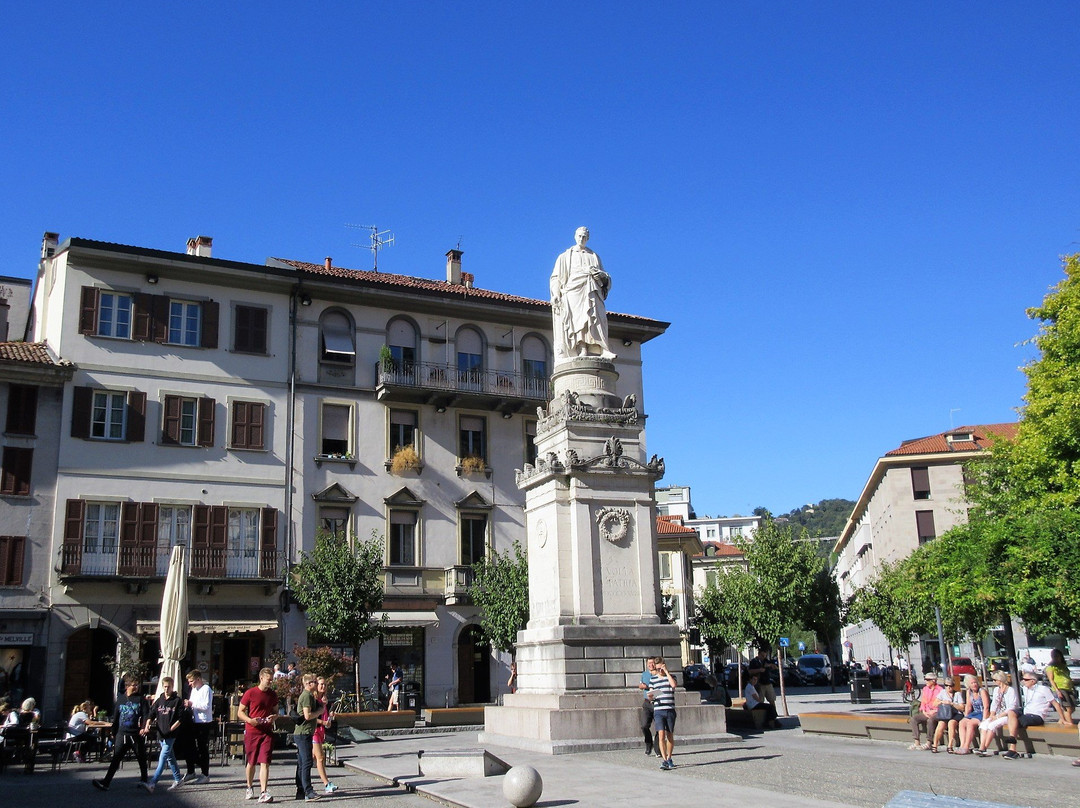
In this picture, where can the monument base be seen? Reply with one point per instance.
(592, 722)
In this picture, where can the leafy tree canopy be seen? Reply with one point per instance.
(826, 518)
(500, 589)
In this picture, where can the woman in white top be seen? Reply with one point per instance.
(1004, 701)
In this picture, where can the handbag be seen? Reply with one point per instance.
(946, 712)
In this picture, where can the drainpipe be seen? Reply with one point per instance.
(290, 418)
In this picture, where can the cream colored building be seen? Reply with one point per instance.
(915, 493)
(238, 408)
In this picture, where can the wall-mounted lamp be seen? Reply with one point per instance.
(627, 342)
(151, 279)
(508, 415)
(440, 408)
(305, 299)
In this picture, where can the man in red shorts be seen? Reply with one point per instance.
(258, 709)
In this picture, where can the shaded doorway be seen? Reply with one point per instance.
(241, 659)
(474, 669)
(86, 675)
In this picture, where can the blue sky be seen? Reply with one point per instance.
(842, 208)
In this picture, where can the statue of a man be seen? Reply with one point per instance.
(579, 287)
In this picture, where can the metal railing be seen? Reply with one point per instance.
(153, 562)
(432, 376)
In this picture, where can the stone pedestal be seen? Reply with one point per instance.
(594, 594)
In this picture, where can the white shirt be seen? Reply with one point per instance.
(202, 704)
(751, 695)
(1039, 700)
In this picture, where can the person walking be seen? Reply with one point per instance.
(258, 709)
(326, 718)
(395, 687)
(129, 732)
(200, 702)
(662, 691)
(165, 715)
(308, 708)
(647, 707)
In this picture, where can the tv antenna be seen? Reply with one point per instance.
(378, 241)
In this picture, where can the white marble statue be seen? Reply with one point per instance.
(579, 287)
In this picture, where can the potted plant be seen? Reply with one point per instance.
(405, 459)
(473, 464)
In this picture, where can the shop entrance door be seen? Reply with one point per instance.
(474, 678)
(86, 676)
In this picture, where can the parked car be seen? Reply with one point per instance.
(731, 675)
(961, 666)
(698, 677)
(815, 668)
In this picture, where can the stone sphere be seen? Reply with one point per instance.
(522, 786)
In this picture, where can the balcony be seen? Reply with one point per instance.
(445, 385)
(458, 581)
(215, 563)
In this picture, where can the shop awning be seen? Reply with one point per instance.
(409, 619)
(212, 621)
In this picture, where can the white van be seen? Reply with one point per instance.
(1040, 655)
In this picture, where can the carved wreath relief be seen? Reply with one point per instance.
(614, 524)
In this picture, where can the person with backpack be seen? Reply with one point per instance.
(129, 731)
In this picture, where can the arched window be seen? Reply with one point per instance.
(470, 357)
(337, 338)
(401, 340)
(534, 358)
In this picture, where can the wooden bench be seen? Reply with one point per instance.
(1053, 739)
(738, 716)
(378, 719)
(453, 716)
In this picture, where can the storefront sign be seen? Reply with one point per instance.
(397, 639)
(17, 639)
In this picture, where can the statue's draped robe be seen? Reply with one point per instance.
(581, 324)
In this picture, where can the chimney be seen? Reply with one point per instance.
(48, 244)
(329, 263)
(200, 246)
(453, 267)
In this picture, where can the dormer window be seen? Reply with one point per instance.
(960, 437)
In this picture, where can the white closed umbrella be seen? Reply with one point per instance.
(174, 617)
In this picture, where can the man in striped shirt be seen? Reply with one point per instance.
(662, 694)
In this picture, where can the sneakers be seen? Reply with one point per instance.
(671, 764)
(1011, 755)
(249, 794)
(100, 785)
(330, 788)
(200, 779)
(664, 766)
(314, 795)
(189, 778)
(175, 785)
(149, 787)
(266, 796)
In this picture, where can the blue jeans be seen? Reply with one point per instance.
(304, 758)
(168, 755)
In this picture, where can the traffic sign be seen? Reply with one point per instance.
(783, 642)
(802, 645)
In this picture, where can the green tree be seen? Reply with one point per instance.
(500, 588)
(890, 603)
(340, 586)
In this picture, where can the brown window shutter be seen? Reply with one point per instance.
(256, 431)
(136, 416)
(210, 316)
(240, 418)
(22, 409)
(88, 311)
(129, 539)
(206, 422)
(219, 539)
(159, 308)
(146, 557)
(74, 519)
(268, 543)
(170, 432)
(15, 471)
(142, 316)
(200, 541)
(12, 558)
(82, 405)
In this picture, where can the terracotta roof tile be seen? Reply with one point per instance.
(389, 280)
(672, 526)
(29, 352)
(982, 438)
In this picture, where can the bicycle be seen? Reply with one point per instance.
(912, 691)
(345, 703)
